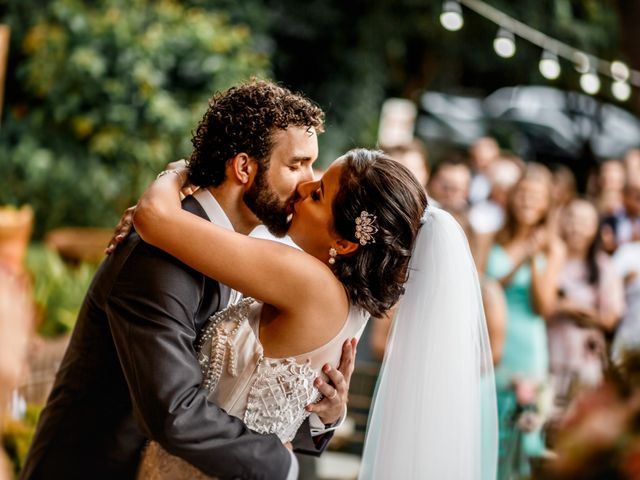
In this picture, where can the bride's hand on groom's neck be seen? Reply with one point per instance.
(182, 170)
(125, 224)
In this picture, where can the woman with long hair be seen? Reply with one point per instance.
(591, 301)
(526, 259)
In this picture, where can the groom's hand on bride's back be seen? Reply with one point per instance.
(122, 230)
(126, 221)
(336, 391)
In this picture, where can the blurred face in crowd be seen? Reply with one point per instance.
(612, 176)
(563, 189)
(483, 153)
(610, 202)
(412, 155)
(530, 201)
(579, 225)
(416, 163)
(632, 164)
(503, 174)
(450, 187)
(632, 199)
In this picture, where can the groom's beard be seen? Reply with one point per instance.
(266, 205)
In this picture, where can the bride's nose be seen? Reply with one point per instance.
(305, 188)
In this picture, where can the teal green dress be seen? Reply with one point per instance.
(524, 355)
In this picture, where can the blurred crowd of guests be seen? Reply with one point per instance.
(560, 278)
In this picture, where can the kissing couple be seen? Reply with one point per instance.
(169, 376)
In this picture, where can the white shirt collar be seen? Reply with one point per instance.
(217, 216)
(213, 209)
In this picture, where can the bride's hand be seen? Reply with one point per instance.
(181, 166)
(126, 221)
(335, 392)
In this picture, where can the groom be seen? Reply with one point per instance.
(130, 372)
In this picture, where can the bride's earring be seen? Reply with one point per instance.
(333, 253)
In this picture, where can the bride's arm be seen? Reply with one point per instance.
(274, 273)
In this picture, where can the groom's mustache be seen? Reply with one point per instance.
(291, 207)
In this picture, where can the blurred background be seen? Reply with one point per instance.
(495, 106)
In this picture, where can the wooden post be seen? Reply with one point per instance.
(4, 57)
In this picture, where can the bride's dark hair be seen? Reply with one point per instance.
(375, 273)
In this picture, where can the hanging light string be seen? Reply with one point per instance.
(583, 61)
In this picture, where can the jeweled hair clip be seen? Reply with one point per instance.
(366, 228)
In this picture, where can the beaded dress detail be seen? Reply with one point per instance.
(268, 394)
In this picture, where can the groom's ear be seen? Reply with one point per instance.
(345, 247)
(243, 168)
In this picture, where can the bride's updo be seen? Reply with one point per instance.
(372, 182)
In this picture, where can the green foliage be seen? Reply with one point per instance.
(58, 289)
(104, 94)
(112, 92)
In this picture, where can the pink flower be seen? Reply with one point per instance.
(526, 391)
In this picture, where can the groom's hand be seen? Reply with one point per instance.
(336, 391)
(122, 230)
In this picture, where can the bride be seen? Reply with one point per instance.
(364, 228)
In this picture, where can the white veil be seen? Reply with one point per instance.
(434, 412)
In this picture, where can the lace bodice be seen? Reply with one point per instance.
(268, 394)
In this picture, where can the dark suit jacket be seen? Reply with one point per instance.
(131, 373)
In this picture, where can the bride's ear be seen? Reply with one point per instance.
(345, 247)
(243, 168)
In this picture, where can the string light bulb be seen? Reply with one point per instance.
(505, 43)
(590, 82)
(589, 66)
(451, 16)
(549, 65)
(621, 90)
(619, 71)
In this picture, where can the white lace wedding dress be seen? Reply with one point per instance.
(268, 394)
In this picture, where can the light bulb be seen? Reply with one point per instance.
(621, 90)
(505, 43)
(619, 71)
(549, 66)
(451, 16)
(590, 82)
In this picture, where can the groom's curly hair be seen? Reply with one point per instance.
(374, 275)
(243, 119)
